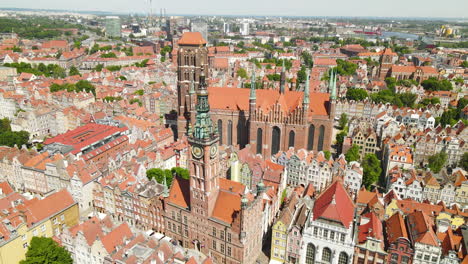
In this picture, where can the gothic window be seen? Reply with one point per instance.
(310, 254)
(229, 133)
(220, 131)
(326, 255)
(259, 140)
(239, 133)
(291, 138)
(343, 258)
(275, 140)
(310, 137)
(321, 138)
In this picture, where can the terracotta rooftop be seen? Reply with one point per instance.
(192, 38)
(335, 204)
(238, 99)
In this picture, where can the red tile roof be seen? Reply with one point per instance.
(180, 192)
(226, 207)
(116, 237)
(49, 206)
(395, 228)
(238, 99)
(192, 38)
(85, 135)
(373, 228)
(335, 204)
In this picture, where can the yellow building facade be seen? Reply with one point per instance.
(279, 236)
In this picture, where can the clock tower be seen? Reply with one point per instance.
(204, 162)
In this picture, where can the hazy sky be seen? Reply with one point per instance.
(388, 8)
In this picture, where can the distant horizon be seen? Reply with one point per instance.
(98, 13)
(373, 9)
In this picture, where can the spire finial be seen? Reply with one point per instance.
(333, 87)
(253, 93)
(307, 89)
(283, 69)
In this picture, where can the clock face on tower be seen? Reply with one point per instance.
(197, 152)
(213, 151)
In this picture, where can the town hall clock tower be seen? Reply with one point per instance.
(204, 162)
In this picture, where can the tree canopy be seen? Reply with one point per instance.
(81, 85)
(372, 170)
(356, 94)
(343, 122)
(242, 73)
(437, 161)
(12, 138)
(345, 67)
(44, 250)
(352, 154)
(464, 161)
(159, 174)
(433, 84)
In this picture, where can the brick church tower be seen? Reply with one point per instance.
(386, 62)
(192, 59)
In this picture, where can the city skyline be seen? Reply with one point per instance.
(300, 8)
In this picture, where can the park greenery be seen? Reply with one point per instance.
(11, 138)
(434, 84)
(371, 170)
(81, 85)
(36, 27)
(345, 68)
(352, 154)
(44, 250)
(51, 70)
(437, 161)
(159, 174)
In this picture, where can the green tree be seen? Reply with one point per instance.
(136, 100)
(108, 55)
(356, 94)
(433, 84)
(391, 83)
(340, 138)
(464, 161)
(73, 71)
(343, 122)
(155, 173)
(464, 64)
(181, 172)
(371, 170)
(5, 125)
(352, 154)
(98, 67)
(345, 67)
(241, 72)
(140, 92)
(437, 161)
(44, 250)
(327, 154)
(301, 75)
(406, 99)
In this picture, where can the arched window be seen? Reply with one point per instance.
(259, 140)
(321, 138)
(275, 140)
(326, 255)
(291, 138)
(343, 259)
(229, 133)
(310, 254)
(310, 137)
(220, 131)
